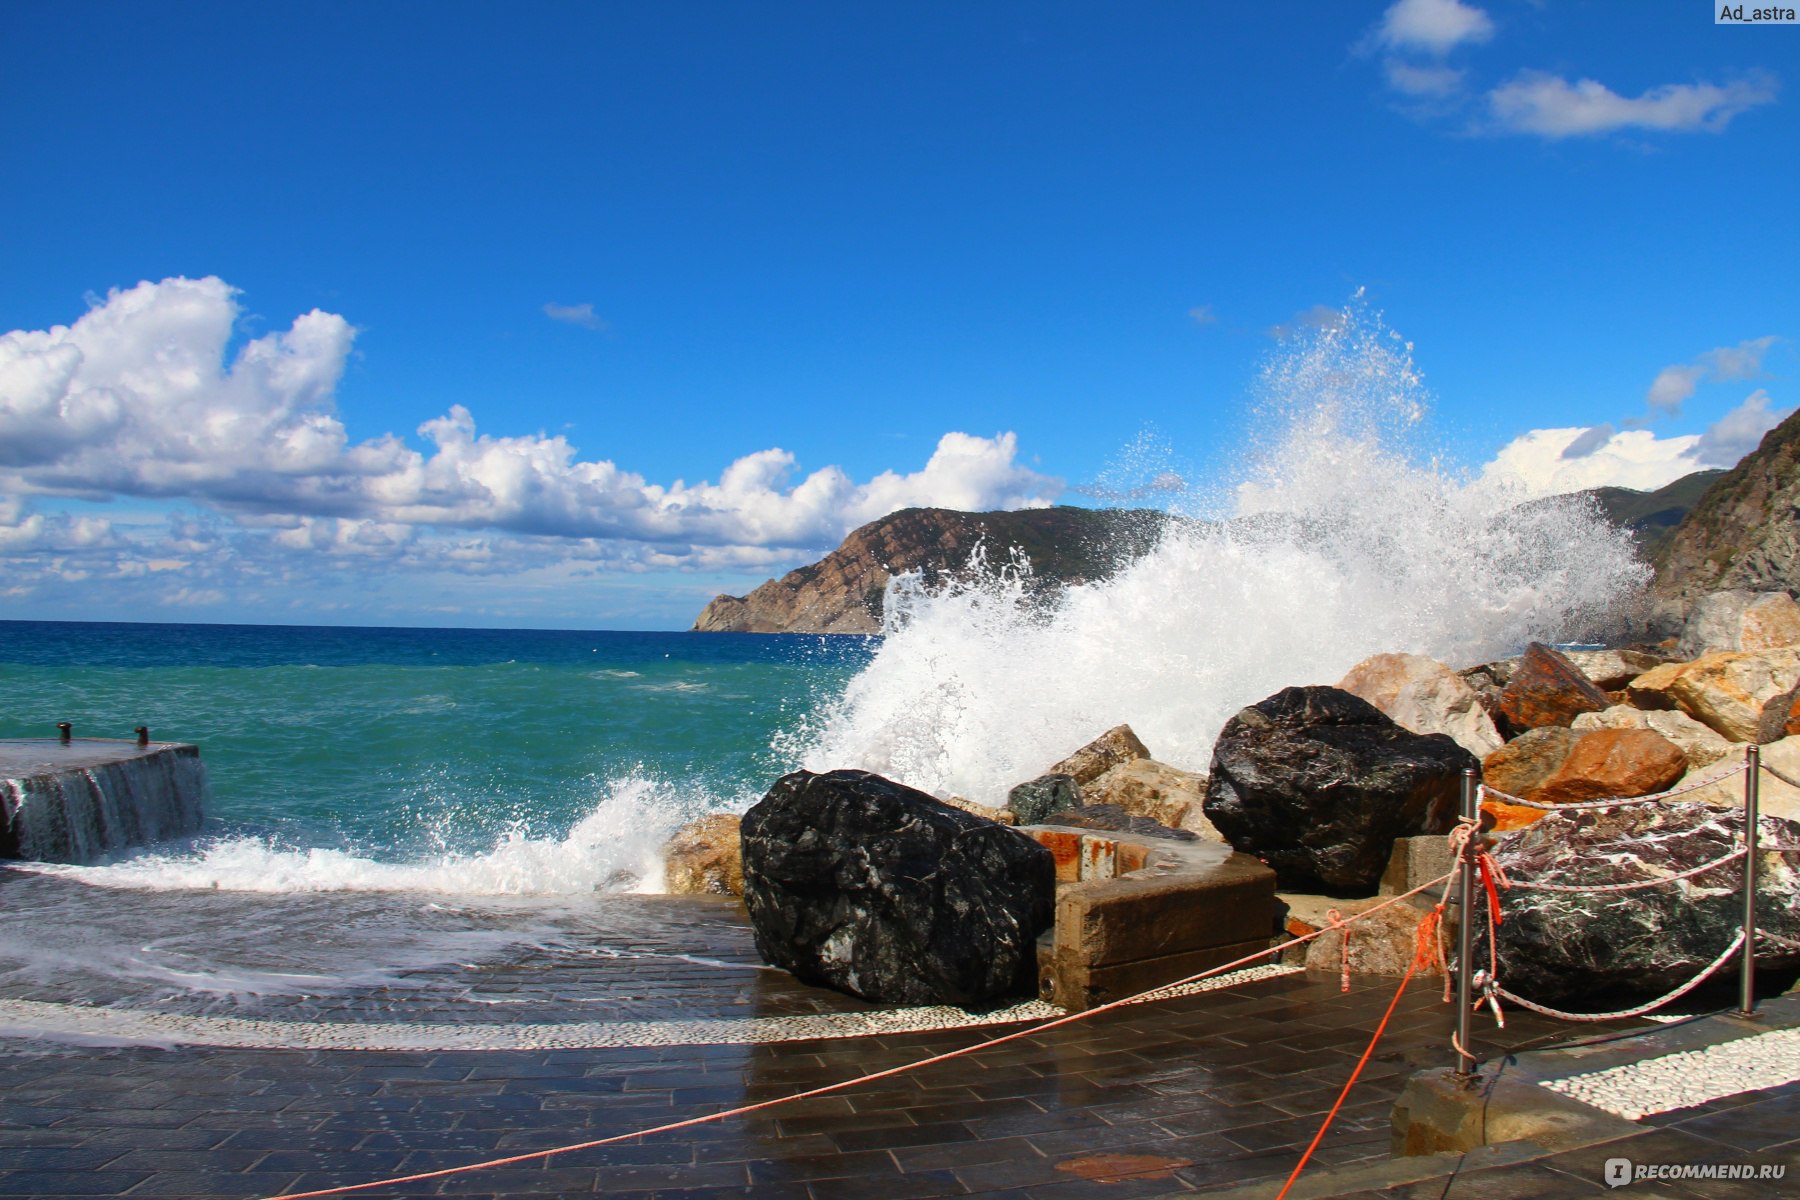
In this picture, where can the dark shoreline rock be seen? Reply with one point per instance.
(1319, 783)
(1558, 946)
(862, 884)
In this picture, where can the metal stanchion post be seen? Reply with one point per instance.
(1465, 926)
(1752, 798)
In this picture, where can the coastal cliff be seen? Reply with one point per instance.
(842, 592)
(1742, 534)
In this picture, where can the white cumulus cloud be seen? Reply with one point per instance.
(136, 398)
(1426, 80)
(1635, 458)
(1548, 462)
(575, 314)
(1672, 387)
(1550, 106)
(1432, 26)
(1738, 431)
(1674, 384)
(141, 397)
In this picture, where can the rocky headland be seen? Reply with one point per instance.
(844, 591)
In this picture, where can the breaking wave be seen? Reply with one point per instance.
(1339, 536)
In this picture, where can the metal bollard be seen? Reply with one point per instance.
(1752, 806)
(64, 731)
(143, 732)
(1465, 927)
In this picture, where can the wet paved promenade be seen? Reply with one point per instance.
(1200, 1092)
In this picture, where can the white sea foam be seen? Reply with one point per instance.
(616, 847)
(1341, 538)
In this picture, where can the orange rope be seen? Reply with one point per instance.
(848, 1083)
(1337, 923)
(1427, 931)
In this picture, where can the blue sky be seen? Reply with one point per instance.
(303, 300)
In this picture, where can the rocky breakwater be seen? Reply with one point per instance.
(1114, 783)
(1661, 737)
(862, 884)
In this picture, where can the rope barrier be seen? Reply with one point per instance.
(1337, 925)
(1624, 1014)
(1778, 775)
(1616, 801)
(841, 1085)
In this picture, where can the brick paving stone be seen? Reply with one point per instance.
(889, 1137)
(69, 1183)
(199, 1185)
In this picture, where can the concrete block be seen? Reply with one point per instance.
(1123, 920)
(1186, 910)
(1417, 860)
(1099, 857)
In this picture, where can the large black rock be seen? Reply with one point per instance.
(1318, 783)
(865, 885)
(1555, 946)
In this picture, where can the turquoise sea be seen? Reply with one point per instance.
(433, 747)
(391, 807)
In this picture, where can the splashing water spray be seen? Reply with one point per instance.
(1337, 538)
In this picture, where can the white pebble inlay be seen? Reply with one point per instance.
(1656, 1085)
(38, 1018)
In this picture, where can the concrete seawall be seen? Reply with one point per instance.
(82, 800)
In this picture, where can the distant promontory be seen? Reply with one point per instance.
(843, 592)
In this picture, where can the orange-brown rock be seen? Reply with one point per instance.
(1547, 689)
(705, 858)
(1508, 817)
(1518, 767)
(1650, 691)
(1702, 746)
(1614, 762)
(1727, 691)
